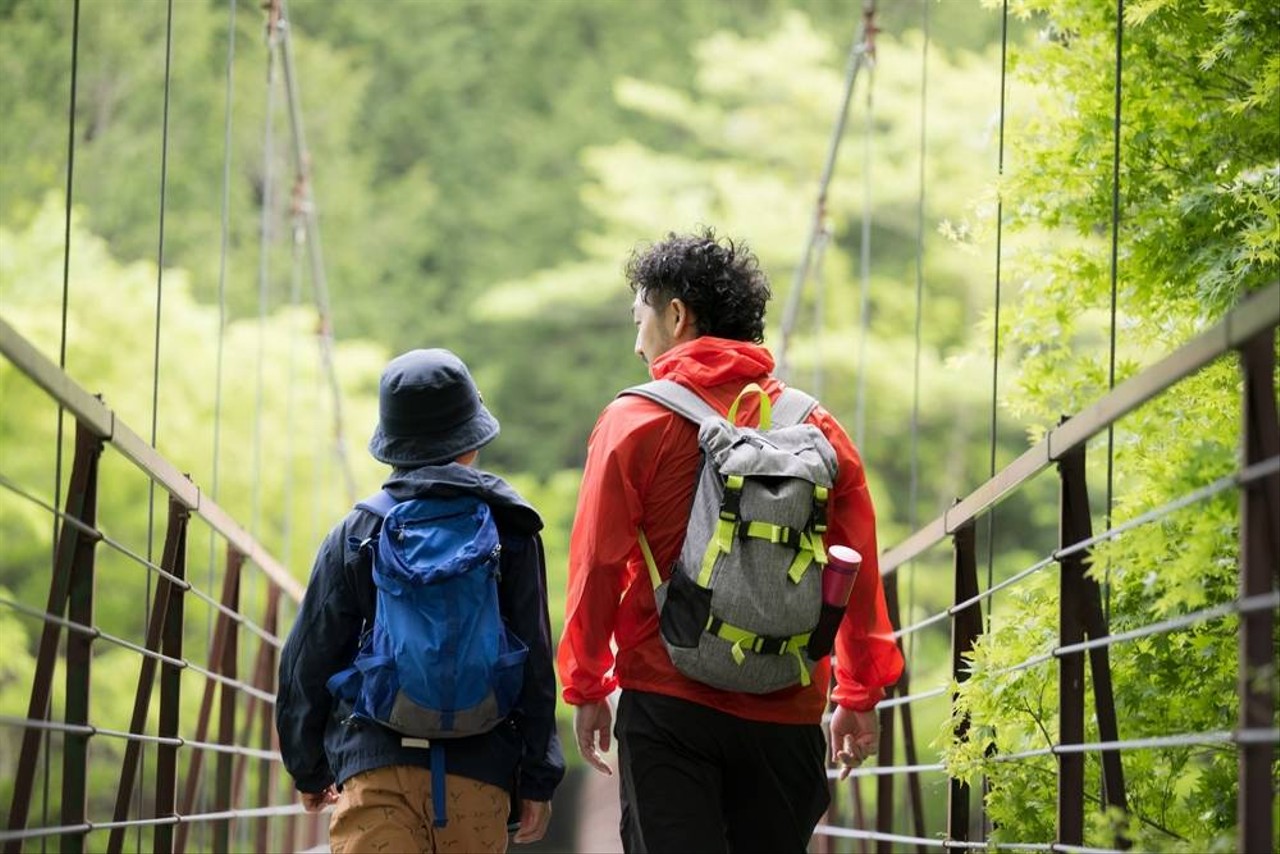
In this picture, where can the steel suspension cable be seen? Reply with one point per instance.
(913, 491)
(995, 335)
(1115, 275)
(319, 281)
(62, 335)
(819, 307)
(295, 300)
(264, 257)
(864, 250)
(857, 58)
(155, 360)
(223, 252)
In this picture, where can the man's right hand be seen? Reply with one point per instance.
(316, 801)
(591, 725)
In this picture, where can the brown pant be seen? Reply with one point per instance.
(389, 810)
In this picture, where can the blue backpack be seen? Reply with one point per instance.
(440, 661)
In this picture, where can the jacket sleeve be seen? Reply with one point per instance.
(524, 595)
(603, 537)
(322, 642)
(867, 659)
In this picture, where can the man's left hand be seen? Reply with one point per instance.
(534, 818)
(854, 736)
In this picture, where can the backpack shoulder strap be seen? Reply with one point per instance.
(379, 504)
(677, 398)
(792, 407)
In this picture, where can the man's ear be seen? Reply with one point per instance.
(684, 324)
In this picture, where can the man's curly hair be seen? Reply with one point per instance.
(720, 281)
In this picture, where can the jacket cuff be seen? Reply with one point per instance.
(860, 698)
(313, 784)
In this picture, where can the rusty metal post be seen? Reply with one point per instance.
(859, 811)
(1104, 701)
(1074, 526)
(1259, 565)
(171, 685)
(965, 629)
(884, 783)
(81, 505)
(230, 594)
(79, 659)
(1077, 526)
(227, 666)
(146, 680)
(266, 767)
(903, 689)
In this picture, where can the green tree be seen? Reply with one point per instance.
(1199, 226)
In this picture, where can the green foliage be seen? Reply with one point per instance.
(1197, 228)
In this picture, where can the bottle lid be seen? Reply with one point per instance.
(844, 556)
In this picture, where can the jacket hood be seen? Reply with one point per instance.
(708, 361)
(509, 508)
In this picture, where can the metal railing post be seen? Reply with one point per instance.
(230, 590)
(1259, 556)
(227, 666)
(965, 629)
(174, 535)
(78, 656)
(266, 681)
(171, 684)
(903, 689)
(1074, 526)
(81, 506)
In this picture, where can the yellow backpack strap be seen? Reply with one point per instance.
(648, 558)
(766, 405)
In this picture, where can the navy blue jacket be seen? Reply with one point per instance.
(521, 755)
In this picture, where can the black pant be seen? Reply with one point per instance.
(696, 780)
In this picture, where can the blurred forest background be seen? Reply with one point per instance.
(482, 169)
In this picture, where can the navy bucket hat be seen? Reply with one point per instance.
(429, 411)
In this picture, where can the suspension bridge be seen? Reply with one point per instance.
(179, 774)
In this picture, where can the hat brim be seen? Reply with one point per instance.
(426, 450)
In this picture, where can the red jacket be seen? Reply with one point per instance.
(641, 466)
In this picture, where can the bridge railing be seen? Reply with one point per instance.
(171, 776)
(1248, 332)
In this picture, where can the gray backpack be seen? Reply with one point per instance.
(743, 598)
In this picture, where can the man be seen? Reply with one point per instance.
(704, 769)
(432, 424)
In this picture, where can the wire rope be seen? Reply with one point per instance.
(223, 253)
(320, 288)
(1256, 471)
(1115, 275)
(155, 359)
(62, 337)
(864, 251)
(143, 561)
(856, 59)
(264, 258)
(819, 309)
(913, 491)
(995, 333)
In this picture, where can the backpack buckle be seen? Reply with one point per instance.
(731, 504)
(769, 646)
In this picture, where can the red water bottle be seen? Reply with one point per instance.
(838, 575)
(841, 570)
